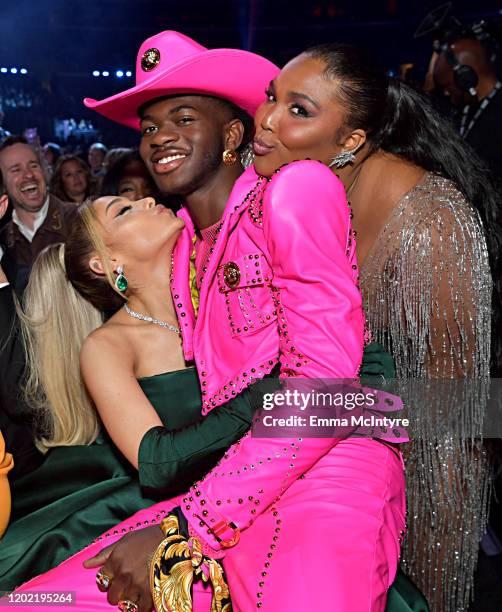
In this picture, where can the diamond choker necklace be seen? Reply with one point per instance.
(142, 317)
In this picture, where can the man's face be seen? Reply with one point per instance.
(182, 142)
(23, 177)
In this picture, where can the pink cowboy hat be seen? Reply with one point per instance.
(171, 63)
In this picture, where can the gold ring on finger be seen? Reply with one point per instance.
(126, 605)
(103, 581)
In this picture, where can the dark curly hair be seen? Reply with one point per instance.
(118, 170)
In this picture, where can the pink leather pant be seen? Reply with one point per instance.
(330, 543)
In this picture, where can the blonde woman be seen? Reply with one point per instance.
(148, 400)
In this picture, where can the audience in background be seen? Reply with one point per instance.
(113, 155)
(128, 177)
(38, 219)
(52, 152)
(3, 132)
(72, 180)
(96, 158)
(478, 117)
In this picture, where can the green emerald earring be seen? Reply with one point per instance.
(121, 281)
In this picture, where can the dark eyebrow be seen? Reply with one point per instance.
(297, 94)
(176, 109)
(114, 201)
(173, 111)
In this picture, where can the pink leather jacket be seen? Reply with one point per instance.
(280, 285)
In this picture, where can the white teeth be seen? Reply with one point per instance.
(28, 187)
(166, 160)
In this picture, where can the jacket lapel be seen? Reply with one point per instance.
(180, 284)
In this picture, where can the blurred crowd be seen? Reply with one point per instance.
(69, 179)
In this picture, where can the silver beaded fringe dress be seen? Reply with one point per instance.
(426, 288)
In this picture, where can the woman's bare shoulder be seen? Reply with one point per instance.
(392, 177)
(108, 341)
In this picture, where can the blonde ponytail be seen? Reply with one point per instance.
(55, 321)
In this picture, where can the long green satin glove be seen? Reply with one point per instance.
(171, 461)
(404, 596)
(377, 366)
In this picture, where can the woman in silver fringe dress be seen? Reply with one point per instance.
(427, 293)
(425, 215)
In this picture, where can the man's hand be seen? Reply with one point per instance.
(127, 563)
(4, 204)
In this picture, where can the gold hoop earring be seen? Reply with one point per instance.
(229, 157)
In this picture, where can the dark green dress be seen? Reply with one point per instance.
(79, 492)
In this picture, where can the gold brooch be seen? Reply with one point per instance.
(231, 274)
(150, 59)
